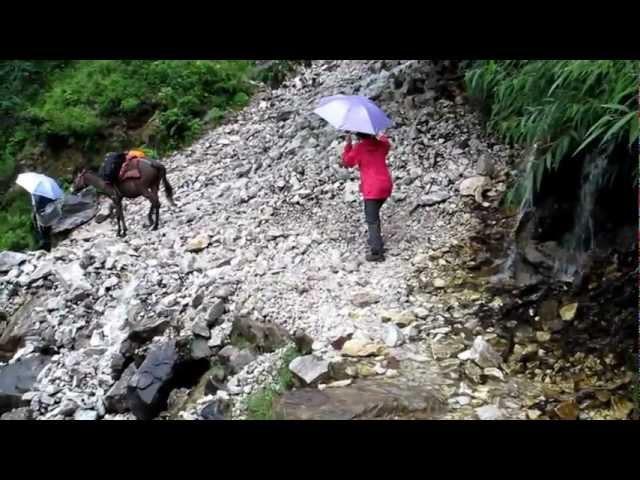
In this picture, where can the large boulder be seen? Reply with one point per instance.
(149, 388)
(365, 399)
(18, 378)
(75, 210)
(115, 401)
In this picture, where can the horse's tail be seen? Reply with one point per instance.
(168, 189)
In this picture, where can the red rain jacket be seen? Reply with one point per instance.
(370, 157)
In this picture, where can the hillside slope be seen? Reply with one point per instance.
(267, 238)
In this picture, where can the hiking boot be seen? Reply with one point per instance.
(374, 257)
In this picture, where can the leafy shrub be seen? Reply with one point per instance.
(15, 223)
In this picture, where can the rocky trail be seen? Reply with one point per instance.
(265, 248)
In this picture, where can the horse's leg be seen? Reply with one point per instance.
(150, 215)
(124, 224)
(155, 204)
(117, 208)
(121, 232)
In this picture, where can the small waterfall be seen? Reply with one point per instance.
(580, 240)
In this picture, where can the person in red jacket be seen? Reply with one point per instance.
(376, 185)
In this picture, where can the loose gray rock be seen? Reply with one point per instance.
(392, 336)
(9, 260)
(201, 328)
(365, 299)
(309, 368)
(482, 353)
(489, 412)
(214, 317)
(85, 415)
(24, 413)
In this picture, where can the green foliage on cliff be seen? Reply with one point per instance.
(560, 108)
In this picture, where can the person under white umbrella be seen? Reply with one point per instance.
(44, 192)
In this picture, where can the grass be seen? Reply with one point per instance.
(560, 109)
(260, 404)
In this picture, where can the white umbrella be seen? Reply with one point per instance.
(38, 184)
(353, 113)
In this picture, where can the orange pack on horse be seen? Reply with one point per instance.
(128, 175)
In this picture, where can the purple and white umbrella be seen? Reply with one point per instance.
(353, 113)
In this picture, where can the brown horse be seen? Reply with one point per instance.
(148, 185)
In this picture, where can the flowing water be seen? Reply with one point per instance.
(581, 239)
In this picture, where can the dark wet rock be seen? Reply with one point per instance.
(149, 387)
(339, 342)
(200, 348)
(75, 211)
(147, 328)
(303, 342)
(365, 399)
(115, 400)
(215, 410)
(263, 336)
(18, 378)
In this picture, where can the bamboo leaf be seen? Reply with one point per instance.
(621, 123)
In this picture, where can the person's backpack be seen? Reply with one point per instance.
(41, 202)
(111, 167)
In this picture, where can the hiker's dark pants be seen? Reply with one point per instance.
(42, 234)
(372, 217)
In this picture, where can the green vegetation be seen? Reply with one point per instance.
(88, 96)
(562, 108)
(99, 105)
(260, 404)
(15, 223)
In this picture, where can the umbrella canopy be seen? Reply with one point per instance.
(38, 184)
(353, 113)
